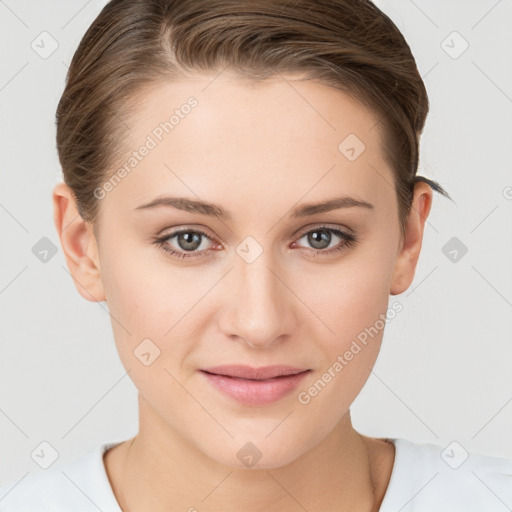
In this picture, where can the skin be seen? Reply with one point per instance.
(256, 150)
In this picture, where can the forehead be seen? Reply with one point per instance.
(208, 133)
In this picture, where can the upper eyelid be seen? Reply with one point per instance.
(296, 235)
(301, 232)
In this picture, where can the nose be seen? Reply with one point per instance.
(259, 309)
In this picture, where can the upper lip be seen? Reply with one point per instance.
(248, 372)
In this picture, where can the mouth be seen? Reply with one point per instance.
(250, 373)
(255, 386)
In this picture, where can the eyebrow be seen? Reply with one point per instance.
(213, 210)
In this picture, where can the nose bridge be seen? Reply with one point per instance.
(260, 308)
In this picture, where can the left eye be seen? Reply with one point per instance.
(320, 238)
(189, 241)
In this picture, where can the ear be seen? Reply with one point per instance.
(409, 252)
(78, 243)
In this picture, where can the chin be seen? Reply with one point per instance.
(257, 452)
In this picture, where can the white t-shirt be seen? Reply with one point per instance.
(425, 478)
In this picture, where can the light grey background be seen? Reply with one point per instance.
(444, 371)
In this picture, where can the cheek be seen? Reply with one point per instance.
(352, 300)
(151, 299)
(350, 295)
(135, 298)
(138, 284)
(353, 305)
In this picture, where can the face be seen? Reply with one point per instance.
(269, 282)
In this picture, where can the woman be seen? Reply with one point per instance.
(240, 187)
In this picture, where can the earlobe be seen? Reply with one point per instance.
(78, 244)
(409, 253)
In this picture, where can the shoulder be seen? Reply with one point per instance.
(428, 477)
(80, 485)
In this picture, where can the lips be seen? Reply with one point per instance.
(247, 372)
(255, 386)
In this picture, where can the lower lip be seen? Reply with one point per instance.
(255, 392)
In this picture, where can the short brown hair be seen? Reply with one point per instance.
(347, 44)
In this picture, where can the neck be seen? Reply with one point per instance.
(160, 471)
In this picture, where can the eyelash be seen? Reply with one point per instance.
(350, 240)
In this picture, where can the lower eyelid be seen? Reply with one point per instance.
(347, 240)
(346, 237)
(202, 234)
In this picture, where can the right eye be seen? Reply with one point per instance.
(188, 241)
